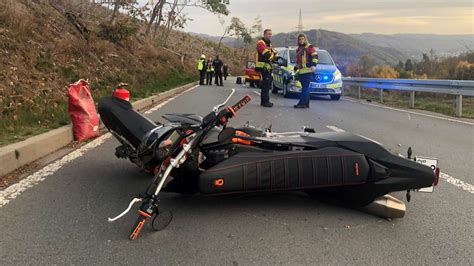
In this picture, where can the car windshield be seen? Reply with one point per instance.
(323, 58)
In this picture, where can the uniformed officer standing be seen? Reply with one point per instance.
(264, 59)
(306, 60)
(217, 64)
(210, 71)
(202, 69)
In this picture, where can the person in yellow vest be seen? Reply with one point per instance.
(209, 71)
(202, 69)
(264, 59)
(306, 60)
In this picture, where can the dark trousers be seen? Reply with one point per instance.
(225, 76)
(219, 78)
(265, 85)
(209, 78)
(305, 80)
(202, 76)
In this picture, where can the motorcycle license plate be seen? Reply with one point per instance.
(433, 164)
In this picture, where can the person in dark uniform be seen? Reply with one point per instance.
(202, 69)
(226, 71)
(264, 59)
(209, 71)
(217, 64)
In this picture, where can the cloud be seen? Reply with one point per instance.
(347, 16)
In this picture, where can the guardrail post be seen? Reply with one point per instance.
(412, 99)
(358, 92)
(381, 95)
(459, 105)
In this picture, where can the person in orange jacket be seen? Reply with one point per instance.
(264, 59)
(306, 60)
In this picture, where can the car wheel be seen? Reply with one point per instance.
(274, 88)
(335, 97)
(286, 92)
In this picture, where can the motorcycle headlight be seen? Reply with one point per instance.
(338, 76)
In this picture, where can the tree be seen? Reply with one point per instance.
(158, 11)
(400, 66)
(384, 71)
(238, 29)
(365, 64)
(408, 65)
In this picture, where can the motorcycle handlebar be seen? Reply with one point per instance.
(236, 107)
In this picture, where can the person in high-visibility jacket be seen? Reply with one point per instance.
(202, 69)
(306, 61)
(209, 71)
(263, 63)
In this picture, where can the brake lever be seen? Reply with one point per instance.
(216, 108)
(135, 200)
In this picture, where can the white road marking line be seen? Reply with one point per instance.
(451, 180)
(256, 92)
(411, 112)
(458, 183)
(336, 129)
(169, 100)
(15, 190)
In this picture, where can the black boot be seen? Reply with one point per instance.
(267, 104)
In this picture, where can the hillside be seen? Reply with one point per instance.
(414, 45)
(45, 47)
(343, 48)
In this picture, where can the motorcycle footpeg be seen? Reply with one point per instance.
(162, 220)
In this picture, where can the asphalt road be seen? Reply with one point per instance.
(63, 219)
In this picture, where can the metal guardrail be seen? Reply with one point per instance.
(459, 88)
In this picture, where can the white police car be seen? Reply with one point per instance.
(327, 79)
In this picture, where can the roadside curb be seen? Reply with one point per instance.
(19, 154)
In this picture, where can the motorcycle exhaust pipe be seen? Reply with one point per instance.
(386, 207)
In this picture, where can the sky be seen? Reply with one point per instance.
(347, 16)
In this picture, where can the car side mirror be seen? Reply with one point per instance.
(281, 61)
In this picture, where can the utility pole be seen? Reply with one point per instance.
(300, 23)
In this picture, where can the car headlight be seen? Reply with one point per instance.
(338, 76)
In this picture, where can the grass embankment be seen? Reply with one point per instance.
(27, 123)
(439, 103)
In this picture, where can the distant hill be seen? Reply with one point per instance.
(343, 48)
(414, 45)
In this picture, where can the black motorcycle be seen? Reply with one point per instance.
(349, 168)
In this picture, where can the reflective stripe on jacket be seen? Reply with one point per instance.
(306, 57)
(201, 63)
(265, 55)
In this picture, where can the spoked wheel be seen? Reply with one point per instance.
(162, 220)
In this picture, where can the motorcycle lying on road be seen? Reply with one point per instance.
(338, 165)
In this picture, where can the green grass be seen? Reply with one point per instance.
(439, 103)
(27, 123)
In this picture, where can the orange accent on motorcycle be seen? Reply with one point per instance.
(137, 230)
(241, 141)
(356, 166)
(219, 182)
(232, 111)
(144, 214)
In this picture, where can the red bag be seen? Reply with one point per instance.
(85, 120)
